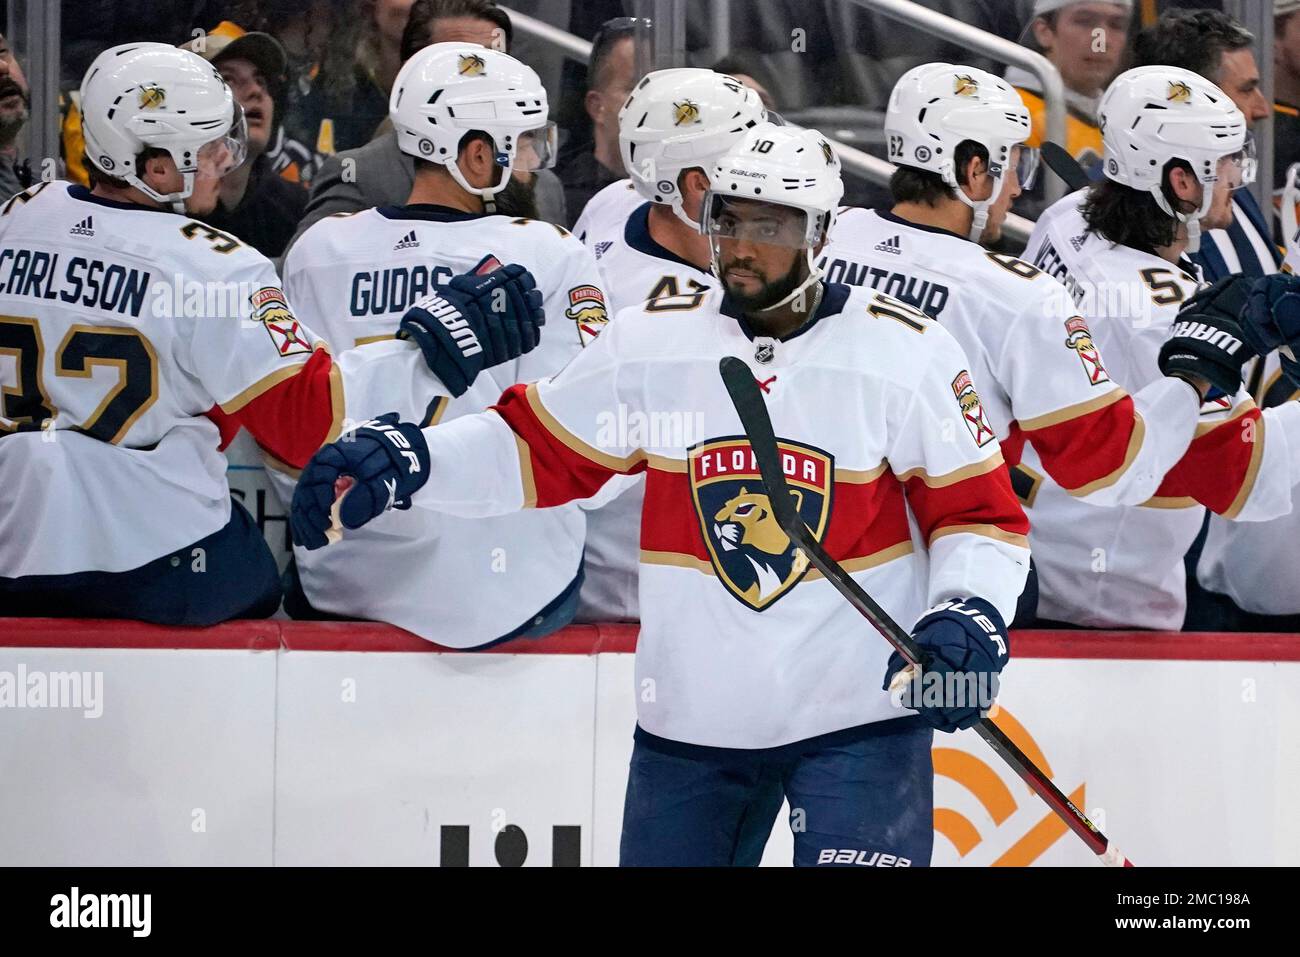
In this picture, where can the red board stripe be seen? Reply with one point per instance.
(109, 633)
(596, 639)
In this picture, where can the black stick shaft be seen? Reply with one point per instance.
(748, 401)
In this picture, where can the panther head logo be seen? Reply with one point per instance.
(749, 520)
(751, 554)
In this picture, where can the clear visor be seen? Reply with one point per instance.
(536, 149)
(1027, 162)
(1238, 169)
(225, 153)
(754, 221)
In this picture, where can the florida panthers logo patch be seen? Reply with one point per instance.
(965, 85)
(152, 97)
(470, 64)
(1179, 92)
(1079, 338)
(972, 410)
(272, 311)
(751, 555)
(685, 113)
(587, 310)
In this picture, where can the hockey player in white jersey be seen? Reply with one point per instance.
(136, 340)
(1043, 376)
(459, 110)
(755, 680)
(673, 127)
(1174, 153)
(957, 135)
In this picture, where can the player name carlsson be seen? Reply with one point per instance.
(79, 280)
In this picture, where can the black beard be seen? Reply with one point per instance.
(12, 123)
(772, 292)
(518, 200)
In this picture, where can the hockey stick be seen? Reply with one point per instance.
(1065, 166)
(747, 399)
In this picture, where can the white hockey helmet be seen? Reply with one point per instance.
(785, 166)
(680, 119)
(937, 106)
(1153, 114)
(140, 96)
(449, 89)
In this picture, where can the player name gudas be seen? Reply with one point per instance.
(89, 282)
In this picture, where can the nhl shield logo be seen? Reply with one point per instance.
(752, 557)
(972, 410)
(1079, 338)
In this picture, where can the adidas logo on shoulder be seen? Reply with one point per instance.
(84, 228)
(407, 242)
(602, 248)
(891, 245)
(1078, 241)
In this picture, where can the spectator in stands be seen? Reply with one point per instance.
(1217, 47)
(15, 100)
(255, 205)
(1286, 89)
(379, 173)
(590, 164)
(346, 110)
(748, 73)
(1084, 40)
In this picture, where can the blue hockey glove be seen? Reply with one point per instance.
(1272, 320)
(389, 461)
(475, 321)
(1207, 340)
(958, 638)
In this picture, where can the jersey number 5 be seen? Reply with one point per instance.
(25, 402)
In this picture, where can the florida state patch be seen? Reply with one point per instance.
(1079, 338)
(972, 410)
(272, 311)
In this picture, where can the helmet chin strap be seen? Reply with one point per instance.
(680, 211)
(814, 274)
(174, 201)
(487, 193)
(1191, 220)
(979, 206)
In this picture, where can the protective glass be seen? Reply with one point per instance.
(755, 221)
(228, 152)
(536, 149)
(1241, 166)
(1027, 165)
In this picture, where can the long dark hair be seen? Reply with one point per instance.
(1131, 217)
